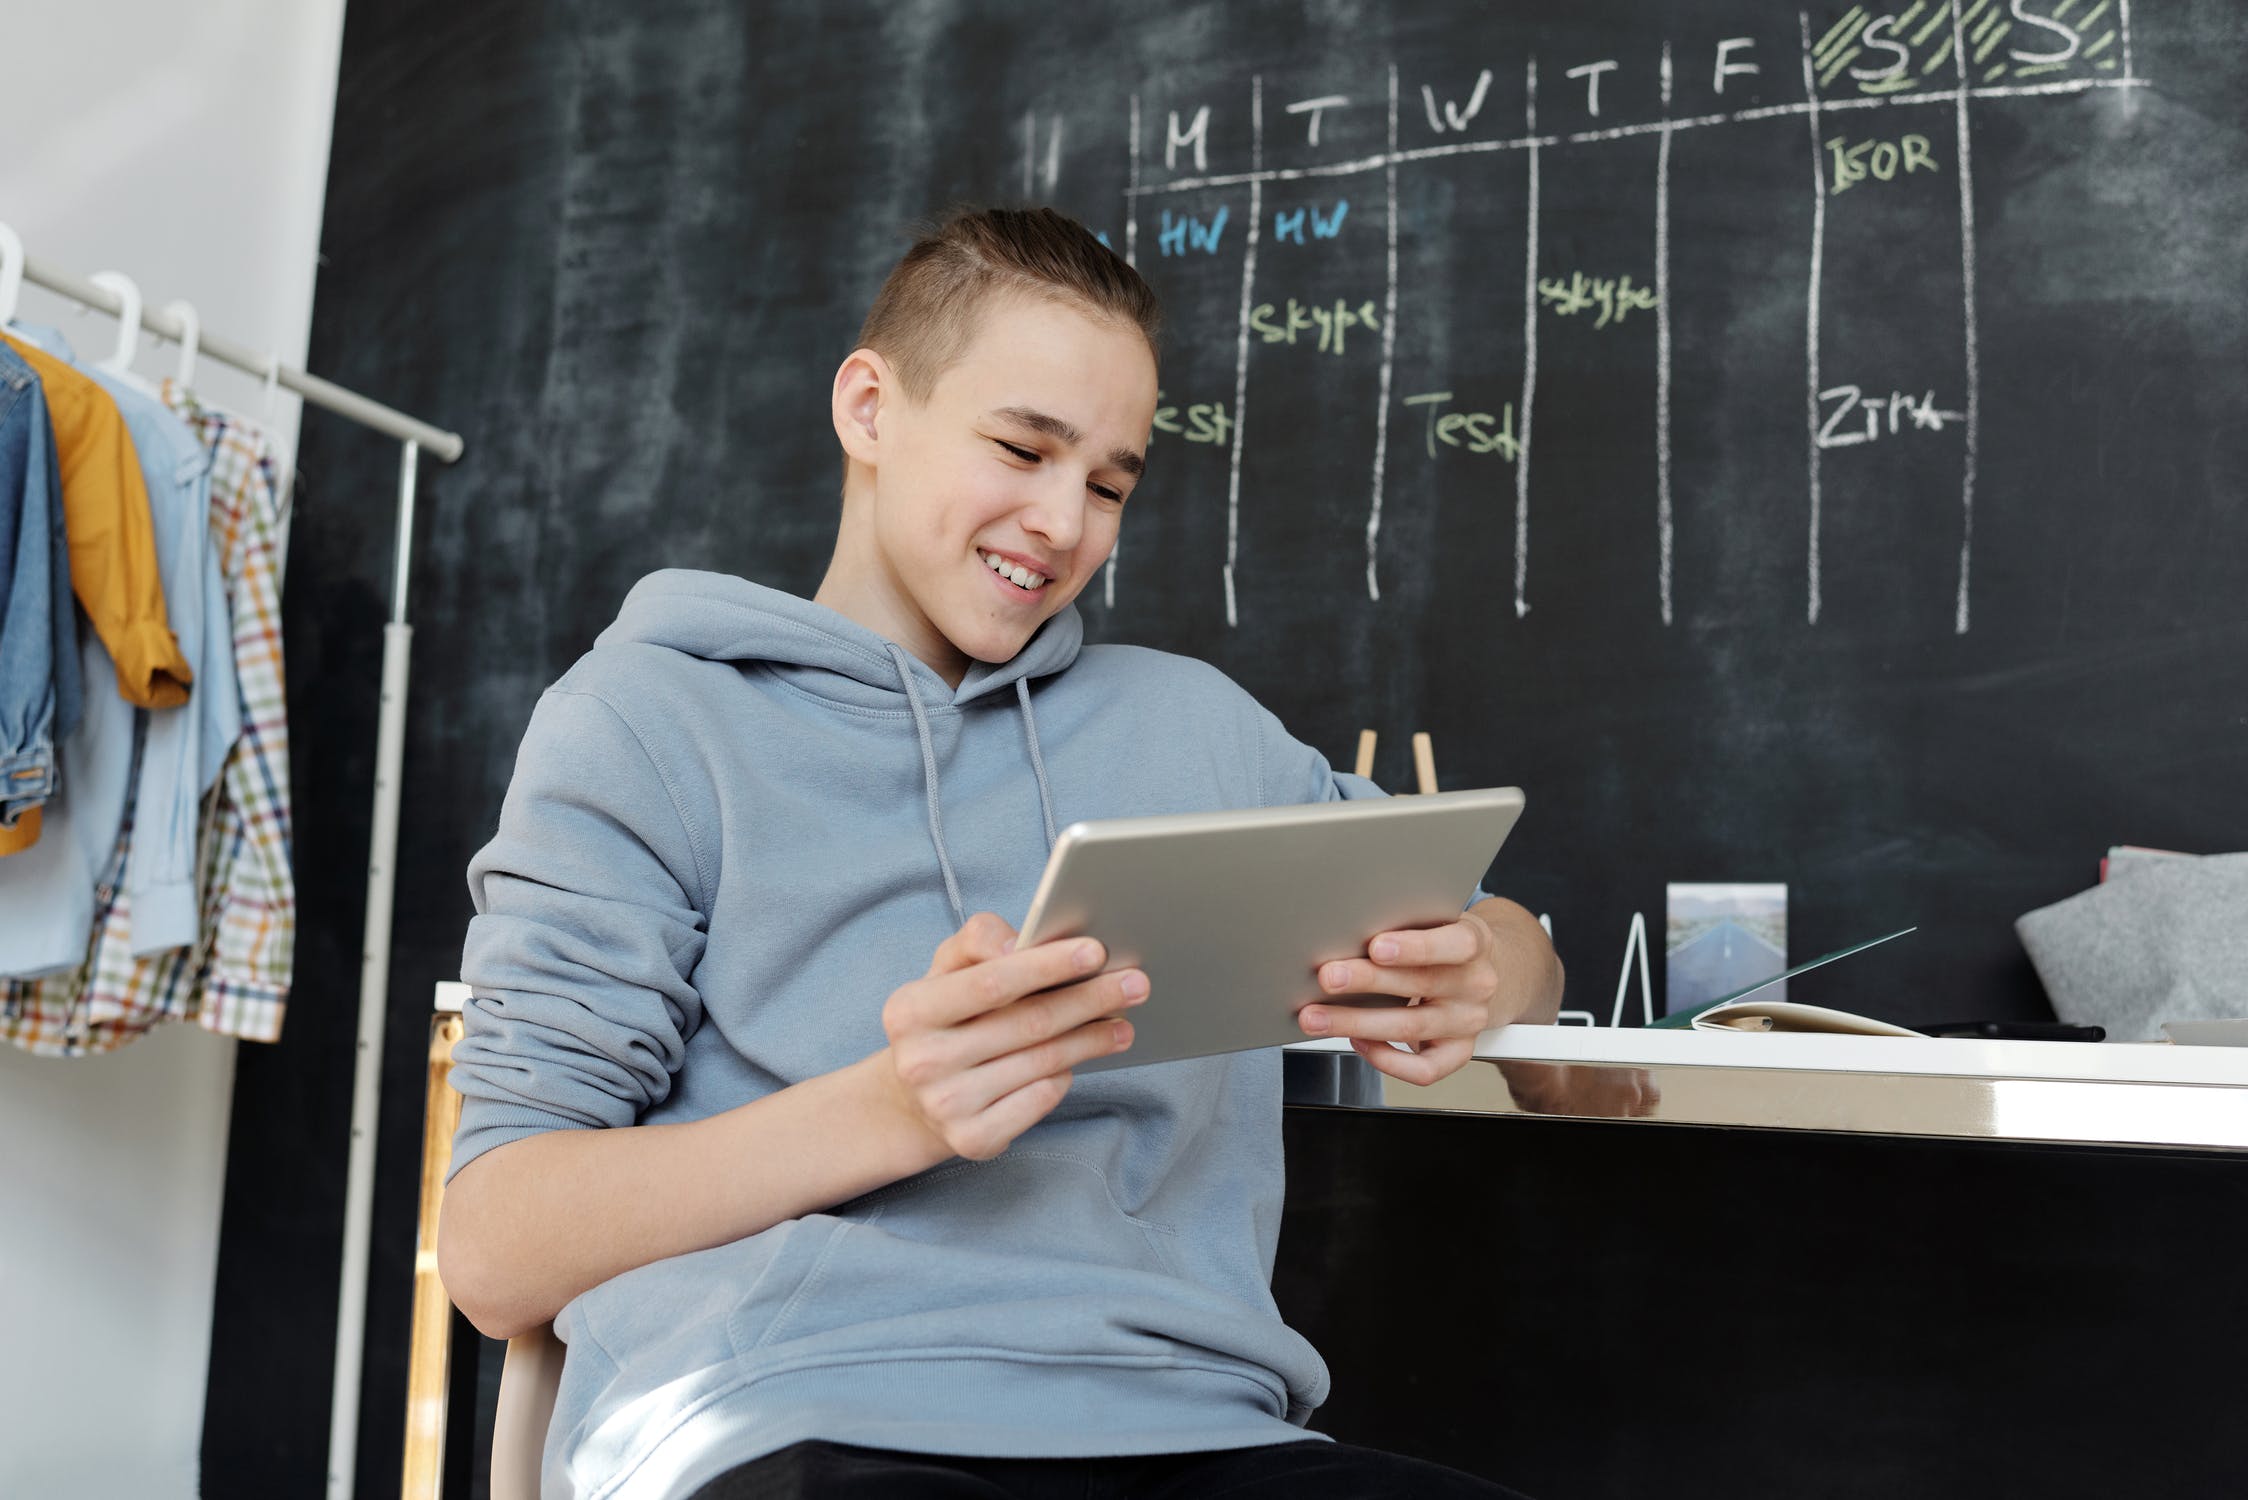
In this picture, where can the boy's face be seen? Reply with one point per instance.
(1023, 452)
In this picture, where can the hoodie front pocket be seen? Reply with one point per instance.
(792, 1275)
(953, 1245)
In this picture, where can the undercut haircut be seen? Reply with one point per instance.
(926, 314)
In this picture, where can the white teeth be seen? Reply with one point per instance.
(1014, 573)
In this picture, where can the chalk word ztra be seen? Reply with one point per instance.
(1883, 418)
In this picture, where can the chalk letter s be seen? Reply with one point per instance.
(2068, 35)
(1872, 38)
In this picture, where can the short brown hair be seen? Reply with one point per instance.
(924, 317)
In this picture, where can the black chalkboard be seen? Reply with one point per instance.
(1924, 670)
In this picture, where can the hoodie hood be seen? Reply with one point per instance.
(718, 617)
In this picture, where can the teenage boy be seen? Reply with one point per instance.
(849, 1229)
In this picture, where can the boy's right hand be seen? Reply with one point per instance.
(982, 1045)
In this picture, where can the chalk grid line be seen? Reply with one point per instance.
(1662, 352)
(1241, 357)
(1811, 323)
(1967, 308)
(1529, 364)
(1389, 361)
(1131, 258)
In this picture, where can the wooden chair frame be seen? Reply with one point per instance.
(533, 1371)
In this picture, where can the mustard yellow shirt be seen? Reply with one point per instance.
(112, 546)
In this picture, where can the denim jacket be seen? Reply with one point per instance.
(40, 689)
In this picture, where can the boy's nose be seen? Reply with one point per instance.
(1060, 520)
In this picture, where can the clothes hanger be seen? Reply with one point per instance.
(11, 274)
(120, 361)
(288, 462)
(191, 341)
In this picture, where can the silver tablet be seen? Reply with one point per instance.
(1231, 914)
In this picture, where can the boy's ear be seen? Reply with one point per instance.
(862, 385)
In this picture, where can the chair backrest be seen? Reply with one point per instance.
(533, 1371)
(430, 1353)
(528, 1381)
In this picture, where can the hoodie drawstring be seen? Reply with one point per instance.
(929, 782)
(1037, 762)
(929, 775)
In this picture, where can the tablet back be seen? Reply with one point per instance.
(1230, 914)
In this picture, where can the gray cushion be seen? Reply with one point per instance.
(2164, 939)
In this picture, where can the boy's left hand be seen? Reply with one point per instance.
(1459, 981)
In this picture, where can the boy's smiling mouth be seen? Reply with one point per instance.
(1013, 572)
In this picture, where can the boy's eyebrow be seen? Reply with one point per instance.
(1059, 427)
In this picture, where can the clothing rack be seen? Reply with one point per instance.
(118, 297)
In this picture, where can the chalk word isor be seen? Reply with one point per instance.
(1333, 322)
(1614, 296)
(1884, 161)
(1202, 422)
(1470, 431)
(1855, 416)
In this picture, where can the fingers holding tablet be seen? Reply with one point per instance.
(982, 1046)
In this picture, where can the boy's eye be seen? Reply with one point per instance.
(1031, 456)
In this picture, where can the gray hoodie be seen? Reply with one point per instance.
(735, 826)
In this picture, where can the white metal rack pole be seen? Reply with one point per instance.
(390, 741)
(374, 992)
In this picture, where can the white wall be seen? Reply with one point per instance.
(187, 146)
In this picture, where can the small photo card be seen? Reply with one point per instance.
(1722, 938)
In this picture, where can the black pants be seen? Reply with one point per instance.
(1284, 1471)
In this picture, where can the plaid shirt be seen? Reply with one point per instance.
(235, 979)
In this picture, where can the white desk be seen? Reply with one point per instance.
(2149, 1094)
(2108, 1093)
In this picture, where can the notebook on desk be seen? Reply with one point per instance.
(1739, 1011)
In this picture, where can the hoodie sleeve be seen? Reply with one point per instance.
(589, 903)
(1294, 773)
